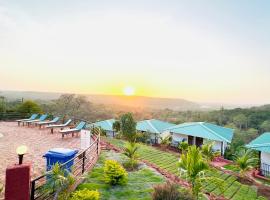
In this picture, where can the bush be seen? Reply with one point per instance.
(85, 195)
(114, 173)
(170, 191)
(29, 107)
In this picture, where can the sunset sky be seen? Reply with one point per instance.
(204, 51)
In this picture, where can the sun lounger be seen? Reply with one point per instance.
(33, 116)
(52, 126)
(41, 119)
(55, 120)
(78, 128)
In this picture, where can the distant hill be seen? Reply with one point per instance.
(145, 102)
(112, 100)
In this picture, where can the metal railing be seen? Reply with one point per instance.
(265, 169)
(12, 115)
(82, 163)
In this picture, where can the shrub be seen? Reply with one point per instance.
(114, 173)
(170, 191)
(85, 194)
(29, 107)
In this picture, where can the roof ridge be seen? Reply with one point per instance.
(258, 145)
(202, 124)
(150, 124)
(219, 126)
(182, 125)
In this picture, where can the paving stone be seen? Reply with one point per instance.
(38, 141)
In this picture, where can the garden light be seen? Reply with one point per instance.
(21, 150)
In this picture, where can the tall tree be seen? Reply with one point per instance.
(240, 121)
(265, 126)
(117, 126)
(128, 127)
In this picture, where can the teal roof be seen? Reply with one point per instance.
(261, 143)
(204, 130)
(106, 125)
(153, 126)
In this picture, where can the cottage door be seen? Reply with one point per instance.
(190, 140)
(199, 141)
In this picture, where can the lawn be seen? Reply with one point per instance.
(233, 189)
(231, 168)
(140, 183)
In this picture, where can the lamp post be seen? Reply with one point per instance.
(21, 150)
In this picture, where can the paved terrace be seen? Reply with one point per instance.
(38, 142)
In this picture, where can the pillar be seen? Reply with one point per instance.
(18, 182)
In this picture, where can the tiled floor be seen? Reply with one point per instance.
(38, 142)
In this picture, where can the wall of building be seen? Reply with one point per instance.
(110, 133)
(177, 138)
(217, 145)
(265, 158)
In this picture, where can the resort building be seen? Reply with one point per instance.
(156, 129)
(106, 125)
(197, 133)
(262, 144)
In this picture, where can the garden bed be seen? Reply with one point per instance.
(140, 183)
(167, 161)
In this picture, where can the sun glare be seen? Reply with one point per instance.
(129, 91)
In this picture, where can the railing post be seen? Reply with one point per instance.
(33, 185)
(83, 162)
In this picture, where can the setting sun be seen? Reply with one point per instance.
(129, 91)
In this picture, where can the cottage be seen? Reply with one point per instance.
(106, 125)
(156, 128)
(197, 133)
(262, 144)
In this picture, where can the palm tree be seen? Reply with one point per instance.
(131, 151)
(165, 141)
(207, 151)
(194, 165)
(183, 146)
(245, 159)
(59, 182)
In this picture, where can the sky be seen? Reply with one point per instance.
(203, 51)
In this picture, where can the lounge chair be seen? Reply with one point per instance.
(55, 120)
(33, 116)
(52, 126)
(78, 128)
(41, 119)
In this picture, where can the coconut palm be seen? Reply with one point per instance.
(194, 165)
(245, 159)
(207, 151)
(183, 146)
(131, 151)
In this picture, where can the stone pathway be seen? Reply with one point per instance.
(38, 142)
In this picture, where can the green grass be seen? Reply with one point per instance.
(140, 183)
(231, 168)
(233, 189)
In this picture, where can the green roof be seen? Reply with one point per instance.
(261, 143)
(106, 125)
(153, 126)
(204, 130)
